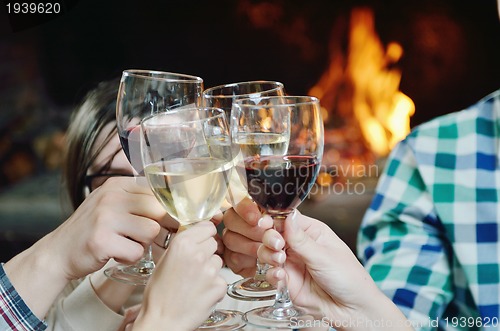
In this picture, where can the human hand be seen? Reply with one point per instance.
(186, 283)
(242, 236)
(324, 277)
(117, 220)
(168, 230)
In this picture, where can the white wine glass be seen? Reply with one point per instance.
(187, 161)
(279, 173)
(254, 288)
(143, 93)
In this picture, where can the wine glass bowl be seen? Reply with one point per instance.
(143, 93)
(279, 171)
(254, 288)
(187, 161)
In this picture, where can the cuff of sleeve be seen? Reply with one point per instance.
(84, 310)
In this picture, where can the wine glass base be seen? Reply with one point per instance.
(250, 289)
(129, 274)
(278, 318)
(223, 320)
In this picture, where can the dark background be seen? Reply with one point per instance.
(47, 63)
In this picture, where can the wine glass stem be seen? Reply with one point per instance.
(283, 300)
(146, 263)
(260, 273)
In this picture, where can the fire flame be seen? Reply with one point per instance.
(377, 106)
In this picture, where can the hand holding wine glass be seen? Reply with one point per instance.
(187, 161)
(143, 93)
(278, 183)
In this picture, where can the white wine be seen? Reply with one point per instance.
(237, 189)
(261, 143)
(191, 190)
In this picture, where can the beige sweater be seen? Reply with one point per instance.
(80, 309)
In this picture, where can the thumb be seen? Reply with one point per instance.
(298, 241)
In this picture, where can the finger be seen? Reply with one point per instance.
(164, 237)
(239, 243)
(220, 246)
(168, 222)
(209, 246)
(217, 218)
(273, 240)
(138, 228)
(139, 198)
(275, 274)
(218, 290)
(234, 223)
(270, 256)
(216, 263)
(241, 264)
(248, 210)
(300, 242)
(121, 249)
(200, 232)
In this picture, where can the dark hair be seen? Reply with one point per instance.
(87, 121)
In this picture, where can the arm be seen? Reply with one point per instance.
(14, 313)
(115, 221)
(401, 241)
(325, 278)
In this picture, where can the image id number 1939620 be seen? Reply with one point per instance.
(33, 7)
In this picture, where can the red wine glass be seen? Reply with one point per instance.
(143, 93)
(280, 171)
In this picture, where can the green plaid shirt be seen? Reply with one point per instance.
(430, 238)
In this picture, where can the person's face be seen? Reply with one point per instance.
(110, 162)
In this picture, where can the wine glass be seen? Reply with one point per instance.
(188, 163)
(143, 93)
(279, 173)
(254, 288)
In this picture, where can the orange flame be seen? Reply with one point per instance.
(380, 110)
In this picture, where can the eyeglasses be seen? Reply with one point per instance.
(95, 180)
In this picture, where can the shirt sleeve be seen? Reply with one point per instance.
(14, 313)
(82, 310)
(401, 242)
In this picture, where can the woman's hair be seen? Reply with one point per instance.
(87, 121)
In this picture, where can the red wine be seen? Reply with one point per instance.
(278, 184)
(131, 144)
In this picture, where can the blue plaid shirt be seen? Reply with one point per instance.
(430, 238)
(14, 313)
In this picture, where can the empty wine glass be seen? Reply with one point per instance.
(254, 288)
(141, 94)
(188, 163)
(279, 173)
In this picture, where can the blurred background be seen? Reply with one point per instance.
(407, 60)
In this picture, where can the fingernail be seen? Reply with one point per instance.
(280, 273)
(264, 219)
(279, 257)
(259, 223)
(277, 243)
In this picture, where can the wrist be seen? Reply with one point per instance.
(378, 312)
(36, 277)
